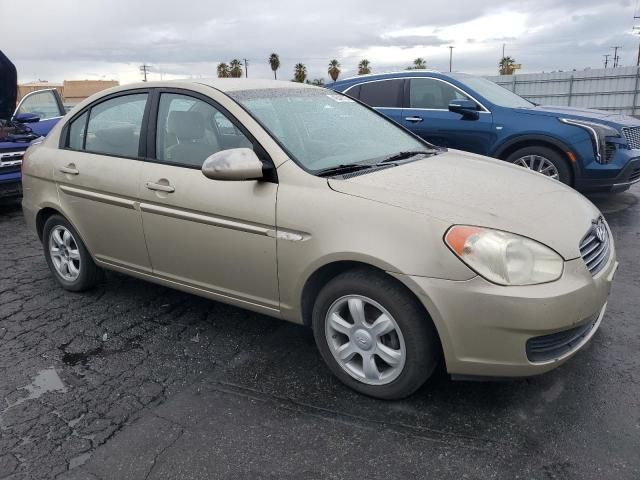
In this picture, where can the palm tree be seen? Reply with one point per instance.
(274, 61)
(223, 70)
(235, 70)
(507, 66)
(364, 67)
(419, 64)
(299, 73)
(334, 69)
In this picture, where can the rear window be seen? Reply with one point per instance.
(381, 93)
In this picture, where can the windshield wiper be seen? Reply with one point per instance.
(408, 154)
(344, 168)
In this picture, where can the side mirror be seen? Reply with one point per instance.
(26, 118)
(233, 164)
(467, 108)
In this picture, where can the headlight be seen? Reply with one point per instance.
(504, 258)
(598, 133)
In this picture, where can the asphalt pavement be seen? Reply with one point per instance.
(137, 381)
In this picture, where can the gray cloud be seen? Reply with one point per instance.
(67, 39)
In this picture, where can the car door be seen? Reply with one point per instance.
(46, 104)
(97, 170)
(216, 236)
(427, 114)
(386, 96)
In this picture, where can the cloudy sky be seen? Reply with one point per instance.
(109, 39)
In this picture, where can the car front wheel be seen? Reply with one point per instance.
(374, 335)
(543, 160)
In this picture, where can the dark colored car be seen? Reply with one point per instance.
(34, 117)
(591, 150)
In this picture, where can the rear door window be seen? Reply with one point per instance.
(114, 126)
(382, 93)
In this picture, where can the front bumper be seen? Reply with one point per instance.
(10, 189)
(484, 328)
(622, 180)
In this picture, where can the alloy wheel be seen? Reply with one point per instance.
(539, 164)
(365, 340)
(64, 252)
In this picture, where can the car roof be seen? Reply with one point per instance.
(222, 84)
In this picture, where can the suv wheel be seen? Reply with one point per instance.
(543, 160)
(67, 257)
(374, 336)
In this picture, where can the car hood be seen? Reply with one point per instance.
(584, 114)
(8, 87)
(462, 188)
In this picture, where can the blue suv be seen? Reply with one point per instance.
(34, 117)
(591, 150)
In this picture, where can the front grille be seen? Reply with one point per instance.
(11, 161)
(635, 175)
(595, 247)
(632, 135)
(549, 347)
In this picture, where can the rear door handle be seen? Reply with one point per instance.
(70, 169)
(159, 187)
(413, 119)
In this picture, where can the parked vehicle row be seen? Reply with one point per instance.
(592, 150)
(303, 204)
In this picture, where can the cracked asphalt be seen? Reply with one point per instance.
(136, 381)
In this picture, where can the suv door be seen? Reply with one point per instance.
(427, 114)
(385, 96)
(97, 170)
(216, 236)
(46, 104)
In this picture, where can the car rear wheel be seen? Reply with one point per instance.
(374, 335)
(67, 256)
(543, 160)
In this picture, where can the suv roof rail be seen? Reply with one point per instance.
(429, 70)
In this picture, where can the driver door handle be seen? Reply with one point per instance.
(413, 119)
(159, 187)
(70, 169)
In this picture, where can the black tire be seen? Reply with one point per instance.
(558, 161)
(90, 275)
(420, 336)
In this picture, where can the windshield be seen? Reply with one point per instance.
(494, 93)
(321, 129)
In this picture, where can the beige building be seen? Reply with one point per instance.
(72, 91)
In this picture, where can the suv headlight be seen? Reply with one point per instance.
(504, 258)
(598, 133)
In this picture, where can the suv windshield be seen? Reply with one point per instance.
(493, 92)
(321, 129)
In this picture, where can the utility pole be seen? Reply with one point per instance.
(503, 45)
(606, 60)
(451, 57)
(246, 68)
(616, 58)
(144, 68)
(635, 28)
